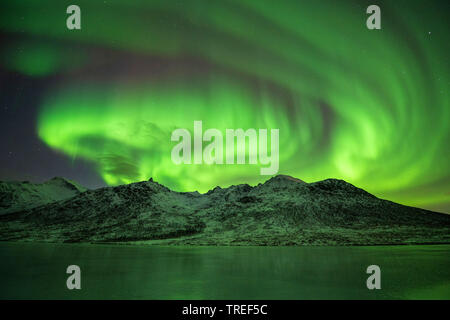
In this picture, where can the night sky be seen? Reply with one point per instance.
(98, 105)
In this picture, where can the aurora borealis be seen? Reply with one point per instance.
(367, 106)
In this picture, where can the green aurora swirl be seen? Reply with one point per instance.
(367, 106)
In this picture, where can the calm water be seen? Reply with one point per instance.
(37, 271)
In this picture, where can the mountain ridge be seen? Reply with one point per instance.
(281, 211)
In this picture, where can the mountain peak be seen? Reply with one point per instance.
(16, 196)
(57, 180)
(66, 183)
(338, 185)
(156, 185)
(282, 180)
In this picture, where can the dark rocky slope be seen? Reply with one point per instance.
(282, 211)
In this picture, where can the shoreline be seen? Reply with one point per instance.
(142, 245)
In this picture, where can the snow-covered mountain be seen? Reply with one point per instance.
(17, 196)
(281, 211)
